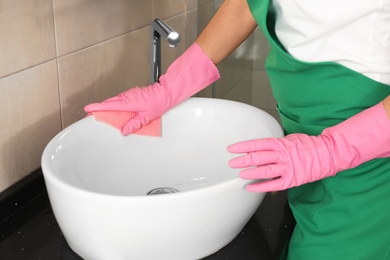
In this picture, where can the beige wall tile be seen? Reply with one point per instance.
(261, 49)
(207, 92)
(242, 92)
(262, 94)
(203, 2)
(191, 4)
(30, 104)
(217, 3)
(191, 29)
(102, 71)
(205, 13)
(26, 33)
(167, 8)
(82, 23)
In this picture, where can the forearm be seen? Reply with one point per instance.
(386, 105)
(230, 26)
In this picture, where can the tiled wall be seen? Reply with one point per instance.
(58, 55)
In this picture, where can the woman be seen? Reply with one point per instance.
(329, 68)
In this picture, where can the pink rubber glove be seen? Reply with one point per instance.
(298, 158)
(187, 75)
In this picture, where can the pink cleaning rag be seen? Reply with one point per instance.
(117, 119)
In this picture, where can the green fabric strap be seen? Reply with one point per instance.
(332, 214)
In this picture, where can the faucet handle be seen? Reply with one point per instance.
(165, 31)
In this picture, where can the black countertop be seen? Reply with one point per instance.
(28, 229)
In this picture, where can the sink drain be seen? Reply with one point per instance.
(162, 190)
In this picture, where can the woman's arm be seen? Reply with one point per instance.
(193, 71)
(229, 27)
(386, 105)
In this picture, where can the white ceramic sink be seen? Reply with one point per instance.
(98, 183)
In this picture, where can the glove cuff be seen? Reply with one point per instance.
(361, 138)
(188, 74)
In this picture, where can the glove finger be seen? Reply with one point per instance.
(253, 145)
(110, 104)
(118, 98)
(91, 107)
(267, 186)
(264, 172)
(105, 106)
(255, 159)
(134, 124)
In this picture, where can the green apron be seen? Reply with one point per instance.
(341, 217)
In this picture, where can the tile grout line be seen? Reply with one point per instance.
(57, 65)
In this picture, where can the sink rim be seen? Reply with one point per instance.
(50, 175)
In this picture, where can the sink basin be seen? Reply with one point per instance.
(169, 197)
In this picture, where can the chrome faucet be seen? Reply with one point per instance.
(159, 29)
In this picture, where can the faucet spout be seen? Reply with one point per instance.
(158, 30)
